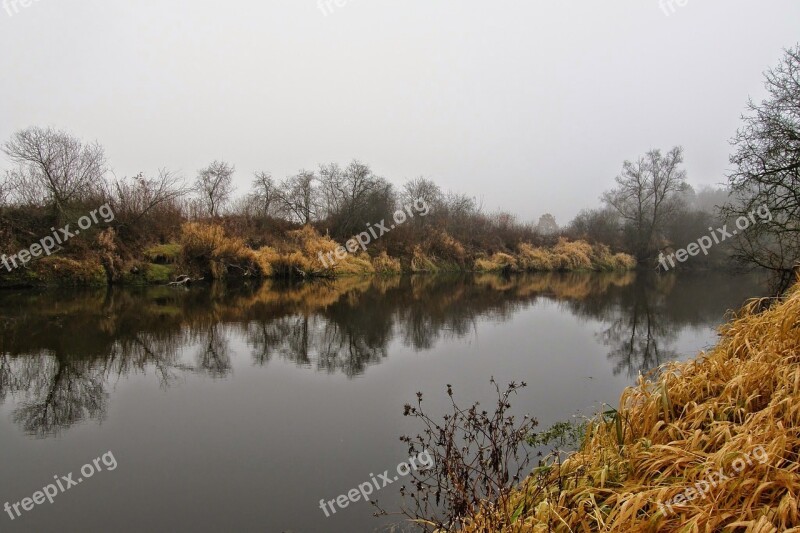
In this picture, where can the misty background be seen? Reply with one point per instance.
(531, 108)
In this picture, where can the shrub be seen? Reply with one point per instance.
(477, 458)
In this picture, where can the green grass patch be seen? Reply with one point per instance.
(164, 253)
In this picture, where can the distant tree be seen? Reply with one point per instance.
(135, 198)
(351, 197)
(298, 196)
(460, 214)
(54, 167)
(264, 195)
(710, 199)
(648, 193)
(214, 185)
(547, 224)
(6, 188)
(767, 172)
(424, 190)
(421, 189)
(597, 226)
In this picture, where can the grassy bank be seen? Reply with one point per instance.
(678, 453)
(208, 251)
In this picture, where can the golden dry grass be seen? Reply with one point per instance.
(497, 262)
(383, 264)
(676, 430)
(206, 247)
(565, 256)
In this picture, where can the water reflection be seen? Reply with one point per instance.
(60, 351)
(643, 320)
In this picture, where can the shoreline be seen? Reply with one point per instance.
(678, 449)
(204, 252)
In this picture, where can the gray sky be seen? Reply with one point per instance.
(530, 105)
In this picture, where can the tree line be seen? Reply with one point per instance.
(650, 208)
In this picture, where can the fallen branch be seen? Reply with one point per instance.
(183, 280)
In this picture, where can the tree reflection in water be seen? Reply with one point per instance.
(59, 351)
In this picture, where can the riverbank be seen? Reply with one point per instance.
(707, 445)
(206, 251)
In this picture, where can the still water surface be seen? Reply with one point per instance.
(239, 408)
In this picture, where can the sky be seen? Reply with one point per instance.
(529, 106)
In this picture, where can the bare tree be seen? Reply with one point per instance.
(134, 198)
(264, 196)
(767, 172)
(298, 196)
(55, 166)
(6, 188)
(647, 193)
(214, 185)
(351, 197)
(422, 189)
(331, 189)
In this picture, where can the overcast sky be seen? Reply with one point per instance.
(530, 106)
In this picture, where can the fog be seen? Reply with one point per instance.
(529, 106)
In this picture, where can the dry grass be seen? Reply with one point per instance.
(446, 248)
(624, 262)
(575, 255)
(383, 264)
(673, 430)
(69, 272)
(301, 252)
(421, 262)
(497, 262)
(565, 256)
(207, 249)
(535, 259)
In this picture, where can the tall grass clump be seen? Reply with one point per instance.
(535, 259)
(385, 265)
(565, 256)
(573, 255)
(208, 250)
(301, 255)
(499, 262)
(678, 429)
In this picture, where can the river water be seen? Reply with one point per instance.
(240, 408)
